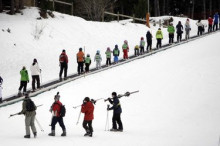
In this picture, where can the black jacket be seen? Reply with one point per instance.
(116, 106)
(179, 28)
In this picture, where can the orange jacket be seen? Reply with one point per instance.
(80, 56)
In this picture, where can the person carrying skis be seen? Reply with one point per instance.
(108, 56)
(80, 60)
(171, 31)
(63, 64)
(187, 29)
(149, 41)
(88, 61)
(125, 49)
(1, 82)
(200, 27)
(116, 107)
(98, 59)
(24, 81)
(116, 53)
(159, 37)
(35, 73)
(179, 31)
(210, 22)
(136, 50)
(142, 44)
(29, 110)
(216, 20)
(56, 117)
(87, 108)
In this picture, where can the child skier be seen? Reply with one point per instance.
(98, 59)
(108, 56)
(159, 37)
(142, 44)
(24, 81)
(125, 49)
(171, 31)
(88, 61)
(116, 53)
(136, 50)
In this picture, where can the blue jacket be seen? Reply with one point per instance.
(216, 17)
(116, 107)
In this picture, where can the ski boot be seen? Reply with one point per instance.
(35, 134)
(27, 136)
(113, 129)
(64, 133)
(52, 133)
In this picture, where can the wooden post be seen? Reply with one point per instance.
(148, 20)
(118, 17)
(72, 9)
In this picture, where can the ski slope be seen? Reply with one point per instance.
(178, 102)
(20, 47)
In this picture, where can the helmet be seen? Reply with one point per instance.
(142, 38)
(126, 42)
(98, 51)
(116, 46)
(114, 94)
(108, 49)
(86, 99)
(88, 55)
(80, 49)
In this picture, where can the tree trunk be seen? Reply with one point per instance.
(155, 8)
(16, 6)
(164, 7)
(204, 9)
(12, 7)
(21, 4)
(158, 7)
(193, 7)
(1, 7)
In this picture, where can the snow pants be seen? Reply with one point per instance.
(210, 28)
(200, 30)
(125, 51)
(149, 45)
(87, 125)
(179, 37)
(23, 84)
(98, 64)
(171, 37)
(108, 61)
(141, 50)
(80, 67)
(63, 67)
(29, 122)
(116, 59)
(116, 119)
(215, 26)
(87, 67)
(60, 121)
(35, 79)
(136, 52)
(159, 43)
(187, 34)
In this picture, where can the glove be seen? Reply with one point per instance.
(84, 102)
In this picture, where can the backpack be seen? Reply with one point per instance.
(30, 106)
(62, 58)
(62, 111)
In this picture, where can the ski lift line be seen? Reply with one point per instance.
(56, 83)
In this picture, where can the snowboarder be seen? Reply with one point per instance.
(29, 110)
(125, 49)
(210, 21)
(179, 31)
(35, 73)
(1, 82)
(116, 107)
(216, 20)
(88, 109)
(200, 27)
(149, 41)
(116, 53)
(136, 50)
(56, 117)
(171, 31)
(98, 59)
(159, 37)
(88, 61)
(142, 44)
(63, 64)
(24, 81)
(80, 60)
(187, 29)
(108, 56)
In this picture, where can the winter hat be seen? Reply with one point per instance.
(98, 51)
(86, 99)
(88, 55)
(108, 49)
(136, 47)
(114, 94)
(64, 51)
(23, 67)
(35, 61)
(57, 97)
(126, 42)
(159, 28)
(142, 38)
(80, 49)
(116, 46)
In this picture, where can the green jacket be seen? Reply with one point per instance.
(24, 110)
(24, 75)
(159, 34)
(124, 46)
(88, 60)
(108, 54)
(171, 29)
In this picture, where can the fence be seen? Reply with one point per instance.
(61, 2)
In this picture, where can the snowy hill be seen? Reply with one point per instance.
(20, 47)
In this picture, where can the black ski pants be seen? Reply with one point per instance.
(200, 30)
(60, 121)
(171, 36)
(87, 67)
(108, 61)
(149, 45)
(179, 37)
(23, 84)
(80, 67)
(210, 28)
(87, 125)
(136, 52)
(215, 26)
(35, 79)
(141, 50)
(63, 67)
(159, 43)
(116, 119)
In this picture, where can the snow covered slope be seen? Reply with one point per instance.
(20, 47)
(178, 102)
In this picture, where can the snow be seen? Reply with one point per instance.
(178, 102)
(62, 32)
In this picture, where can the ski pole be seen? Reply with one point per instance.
(39, 125)
(13, 115)
(78, 117)
(76, 106)
(107, 121)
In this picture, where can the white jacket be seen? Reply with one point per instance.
(35, 70)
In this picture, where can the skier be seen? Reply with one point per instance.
(210, 21)
(187, 29)
(24, 81)
(29, 110)
(216, 20)
(1, 82)
(98, 59)
(63, 64)
(171, 31)
(200, 27)
(35, 72)
(125, 49)
(116, 107)
(142, 44)
(88, 109)
(80, 60)
(87, 63)
(116, 53)
(136, 50)
(159, 37)
(108, 56)
(179, 31)
(56, 110)
(149, 41)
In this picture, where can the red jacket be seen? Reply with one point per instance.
(210, 20)
(63, 58)
(56, 107)
(88, 109)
